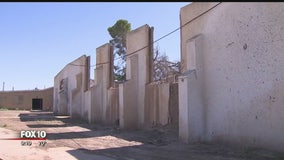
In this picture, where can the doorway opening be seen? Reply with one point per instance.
(37, 104)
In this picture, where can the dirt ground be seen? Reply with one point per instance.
(69, 139)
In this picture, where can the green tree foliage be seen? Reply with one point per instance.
(118, 32)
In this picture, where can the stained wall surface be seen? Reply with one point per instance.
(136, 103)
(142, 102)
(232, 85)
(104, 96)
(71, 87)
(23, 99)
(132, 92)
(161, 104)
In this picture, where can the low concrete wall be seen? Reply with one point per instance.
(23, 99)
(104, 111)
(112, 110)
(151, 105)
(174, 105)
(86, 105)
(161, 104)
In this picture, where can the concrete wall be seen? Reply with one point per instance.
(138, 74)
(112, 111)
(232, 85)
(174, 105)
(23, 99)
(142, 102)
(104, 95)
(137, 103)
(161, 104)
(71, 87)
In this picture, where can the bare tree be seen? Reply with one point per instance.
(163, 68)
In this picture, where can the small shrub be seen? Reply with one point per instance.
(3, 109)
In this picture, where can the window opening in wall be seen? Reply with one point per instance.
(61, 85)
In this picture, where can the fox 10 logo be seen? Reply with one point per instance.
(28, 136)
(40, 135)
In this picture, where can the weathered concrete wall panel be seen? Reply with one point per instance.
(128, 106)
(104, 103)
(164, 94)
(151, 105)
(161, 104)
(86, 108)
(138, 75)
(70, 85)
(191, 90)
(97, 96)
(143, 103)
(174, 105)
(241, 76)
(112, 111)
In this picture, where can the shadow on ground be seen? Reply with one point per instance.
(42, 116)
(178, 151)
(157, 143)
(152, 136)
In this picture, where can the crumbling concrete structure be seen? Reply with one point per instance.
(71, 89)
(232, 85)
(137, 103)
(142, 102)
(27, 99)
(132, 92)
(104, 96)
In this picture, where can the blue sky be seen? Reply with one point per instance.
(38, 39)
